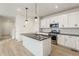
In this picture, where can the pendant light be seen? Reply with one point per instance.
(36, 18)
(26, 16)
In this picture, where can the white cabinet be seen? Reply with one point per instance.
(54, 20)
(70, 42)
(67, 41)
(77, 43)
(60, 40)
(77, 19)
(63, 21)
(72, 19)
(42, 23)
(45, 23)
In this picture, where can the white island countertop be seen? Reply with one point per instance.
(39, 45)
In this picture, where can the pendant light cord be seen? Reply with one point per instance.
(26, 14)
(35, 9)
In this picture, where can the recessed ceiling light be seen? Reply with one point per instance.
(56, 6)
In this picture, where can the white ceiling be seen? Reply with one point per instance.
(10, 9)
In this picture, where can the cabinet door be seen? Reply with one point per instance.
(60, 40)
(77, 43)
(47, 23)
(77, 19)
(72, 19)
(42, 23)
(60, 21)
(70, 41)
(63, 21)
(54, 20)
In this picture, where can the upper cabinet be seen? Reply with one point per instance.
(54, 20)
(77, 19)
(42, 23)
(45, 23)
(70, 20)
(63, 21)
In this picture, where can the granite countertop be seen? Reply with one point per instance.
(38, 37)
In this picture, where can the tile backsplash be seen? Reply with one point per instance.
(45, 30)
(70, 30)
(64, 30)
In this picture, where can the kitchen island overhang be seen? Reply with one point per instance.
(37, 47)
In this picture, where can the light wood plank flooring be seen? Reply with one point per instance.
(13, 48)
(62, 51)
(10, 47)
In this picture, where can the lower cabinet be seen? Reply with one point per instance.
(77, 43)
(60, 40)
(69, 41)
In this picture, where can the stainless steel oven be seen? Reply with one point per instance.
(54, 30)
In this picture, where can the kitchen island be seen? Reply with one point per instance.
(38, 44)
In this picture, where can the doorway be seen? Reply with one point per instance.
(6, 27)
